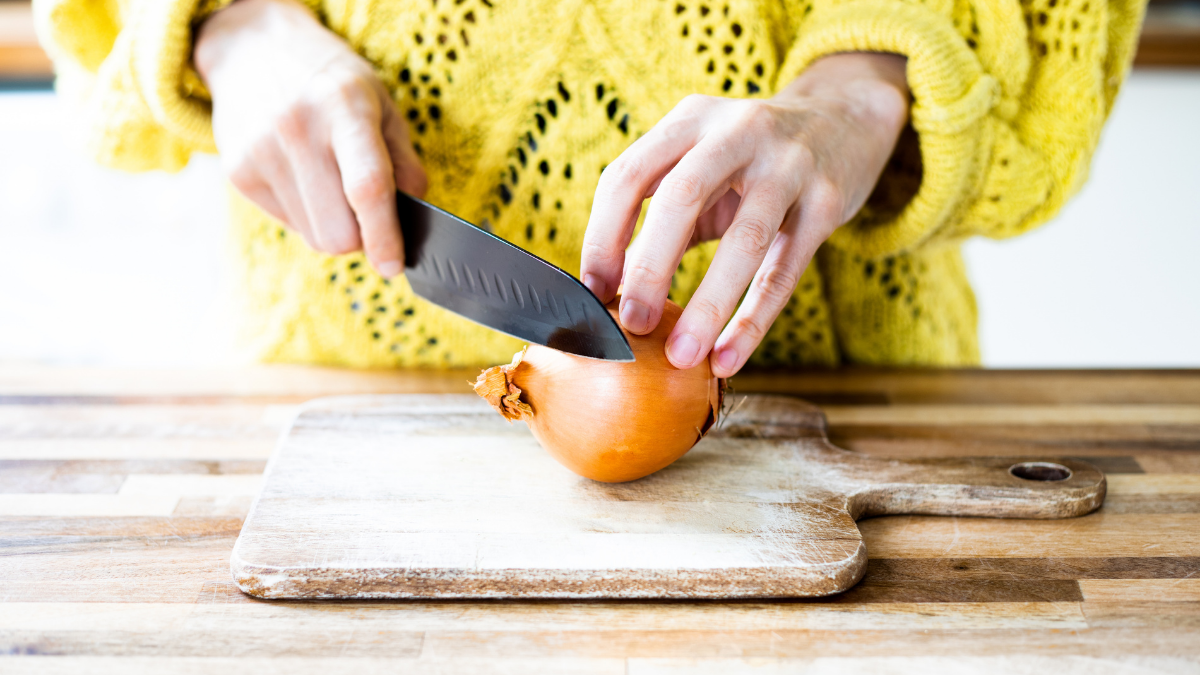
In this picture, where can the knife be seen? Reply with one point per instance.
(485, 279)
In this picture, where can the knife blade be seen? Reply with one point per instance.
(487, 280)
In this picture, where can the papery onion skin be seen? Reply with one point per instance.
(615, 422)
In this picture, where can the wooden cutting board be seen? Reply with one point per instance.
(436, 496)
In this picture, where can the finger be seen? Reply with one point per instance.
(696, 182)
(623, 186)
(716, 220)
(254, 187)
(772, 287)
(410, 175)
(288, 195)
(269, 162)
(369, 183)
(318, 182)
(738, 260)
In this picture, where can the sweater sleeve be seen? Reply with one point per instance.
(1008, 100)
(124, 68)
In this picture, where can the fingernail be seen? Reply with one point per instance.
(683, 350)
(595, 285)
(389, 268)
(727, 359)
(635, 316)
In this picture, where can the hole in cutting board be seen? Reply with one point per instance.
(1043, 471)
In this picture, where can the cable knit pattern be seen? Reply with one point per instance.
(516, 107)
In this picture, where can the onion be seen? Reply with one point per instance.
(605, 420)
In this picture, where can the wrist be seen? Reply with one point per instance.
(244, 27)
(870, 86)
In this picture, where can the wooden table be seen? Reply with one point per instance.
(122, 492)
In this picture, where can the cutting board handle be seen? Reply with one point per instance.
(995, 487)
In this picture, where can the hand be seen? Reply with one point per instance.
(772, 179)
(306, 130)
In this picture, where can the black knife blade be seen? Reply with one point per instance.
(485, 279)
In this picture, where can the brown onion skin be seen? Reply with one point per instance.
(615, 422)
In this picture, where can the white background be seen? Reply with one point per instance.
(103, 268)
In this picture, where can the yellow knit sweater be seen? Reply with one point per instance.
(516, 106)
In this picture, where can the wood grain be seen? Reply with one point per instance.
(975, 387)
(1137, 535)
(1107, 641)
(1016, 569)
(135, 448)
(538, 616)
(1010, 596)
(1165, 590)
(1158, 484)
(1180, 616)
(106, 476)
(268, 384)
(252, 385)
(1164, 503)
(184, 485)
(87, 505)
(437, 497)
(1040, 416)
(285, 661)
(56, 419)
(907, 665)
